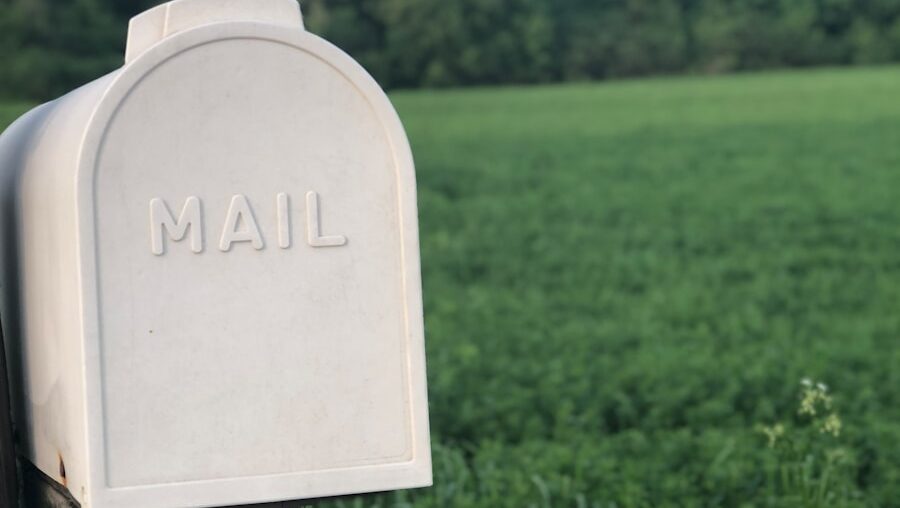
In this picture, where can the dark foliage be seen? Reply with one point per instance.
(49, 46)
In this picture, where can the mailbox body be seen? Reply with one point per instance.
(215, 274)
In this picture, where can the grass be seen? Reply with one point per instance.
(624, 281)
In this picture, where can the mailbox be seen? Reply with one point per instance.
(214, 271)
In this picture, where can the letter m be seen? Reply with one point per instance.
(161, 218)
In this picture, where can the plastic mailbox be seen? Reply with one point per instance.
(214, 271)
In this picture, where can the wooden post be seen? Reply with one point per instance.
(39, 491)
(9, 483)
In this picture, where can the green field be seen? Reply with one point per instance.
(624, 280)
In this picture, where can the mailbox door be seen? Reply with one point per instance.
(250, 261)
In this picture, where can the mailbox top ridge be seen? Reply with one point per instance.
(152, 26)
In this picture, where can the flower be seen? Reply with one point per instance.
(772, 433)
(813, 396)
(831, 425)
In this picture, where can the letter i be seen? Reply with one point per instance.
(284, 220)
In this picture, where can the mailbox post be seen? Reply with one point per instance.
(215, 271)
(8, 481)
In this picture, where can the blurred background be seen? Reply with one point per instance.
(664, 273)
(51, 45)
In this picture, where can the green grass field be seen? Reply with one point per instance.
(624, 280)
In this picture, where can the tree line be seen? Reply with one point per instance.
(50, 46)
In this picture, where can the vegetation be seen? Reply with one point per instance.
(50, 46)
(809, 470)
(411, 43)
(626, 283)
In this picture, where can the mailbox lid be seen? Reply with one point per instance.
(276, 350)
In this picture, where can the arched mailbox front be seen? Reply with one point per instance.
(219, 286)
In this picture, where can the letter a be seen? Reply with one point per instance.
(161, 217)
(240, 212)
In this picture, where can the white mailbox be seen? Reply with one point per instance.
(218, 271)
